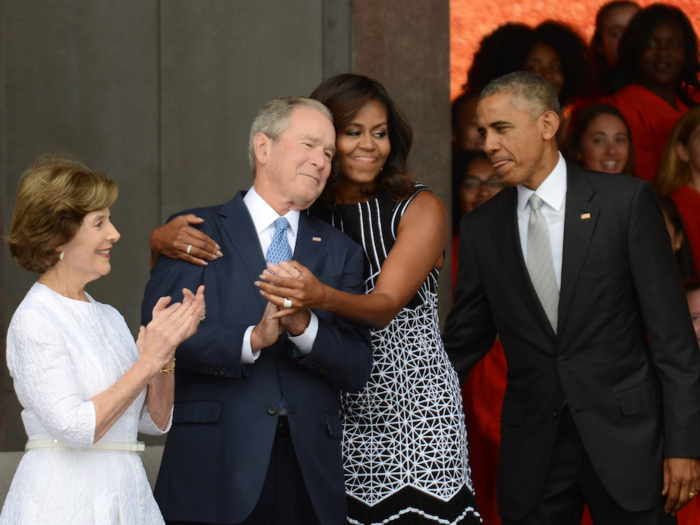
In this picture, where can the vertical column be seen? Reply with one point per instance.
(405, 44)
(4, 377)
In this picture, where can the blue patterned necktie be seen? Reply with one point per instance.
(279, 249)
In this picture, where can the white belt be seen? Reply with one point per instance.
(101, 446)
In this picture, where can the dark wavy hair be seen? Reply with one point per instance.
(500, 52)
(506, 49)
(684, 256)
(597, 47)
(575, 60)
(634, 43)
(344, 95)
(580, 122)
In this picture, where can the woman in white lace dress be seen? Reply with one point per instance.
(86, 387)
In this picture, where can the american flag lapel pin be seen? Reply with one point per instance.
(316, 239)
(585, 216)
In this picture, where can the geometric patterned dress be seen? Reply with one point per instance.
(404, 437)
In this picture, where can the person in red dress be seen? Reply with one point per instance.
(679, 176)
(655, 81)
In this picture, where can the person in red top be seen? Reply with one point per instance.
(655, 81)
(679, 176)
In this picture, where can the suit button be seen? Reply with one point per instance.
(272, 410)
(555, 413)
(561, 359)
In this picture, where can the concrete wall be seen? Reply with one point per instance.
(161, 95)
(406, 46)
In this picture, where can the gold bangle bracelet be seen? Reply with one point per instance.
(168, 370)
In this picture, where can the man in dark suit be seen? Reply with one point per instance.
(573, 269)
(256, 434)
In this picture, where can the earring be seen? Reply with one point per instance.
(61, 256)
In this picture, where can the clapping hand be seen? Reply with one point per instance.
(169, 327)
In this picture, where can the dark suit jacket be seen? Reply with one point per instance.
(634, 399)
(224, 422)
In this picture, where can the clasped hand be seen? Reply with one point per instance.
(276, 318)
(292, 281)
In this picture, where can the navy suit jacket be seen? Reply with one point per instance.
(625, 357)
(225, 416)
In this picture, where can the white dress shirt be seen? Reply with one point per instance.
(264, 218)
(552, 191)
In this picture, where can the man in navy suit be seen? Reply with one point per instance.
(256, 434)
(574, 271)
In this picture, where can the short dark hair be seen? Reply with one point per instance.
(634, 43)
(580, 122)
(54, 196)
(344, 95)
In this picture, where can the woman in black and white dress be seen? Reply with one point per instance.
(405, 442)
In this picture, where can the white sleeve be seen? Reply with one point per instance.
(46, 381)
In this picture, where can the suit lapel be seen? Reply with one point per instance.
(240, 228)
(579, 223)
(308, 251)
(507, 238)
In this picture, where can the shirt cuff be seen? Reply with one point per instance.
(305, 340)
(248, 357)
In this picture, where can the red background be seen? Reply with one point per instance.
(470, 20)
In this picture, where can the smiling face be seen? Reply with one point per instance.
(605, 145)
(614, 25)
(293, 170)
(363, 147)
(521, 146)
(544, 62)
(86, 256)
(661, 63)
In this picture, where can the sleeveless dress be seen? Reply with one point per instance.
(404, 437)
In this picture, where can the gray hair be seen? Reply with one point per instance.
(273, 119)
(538, 95)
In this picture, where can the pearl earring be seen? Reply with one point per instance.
(61, 256)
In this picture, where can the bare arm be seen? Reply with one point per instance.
(157, 343)
(419, 246)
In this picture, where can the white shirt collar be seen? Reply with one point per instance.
(552, 190)
(264, 216)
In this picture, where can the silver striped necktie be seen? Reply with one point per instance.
(540, 263)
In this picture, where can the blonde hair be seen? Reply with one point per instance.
(53, 197)
(673, 171)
